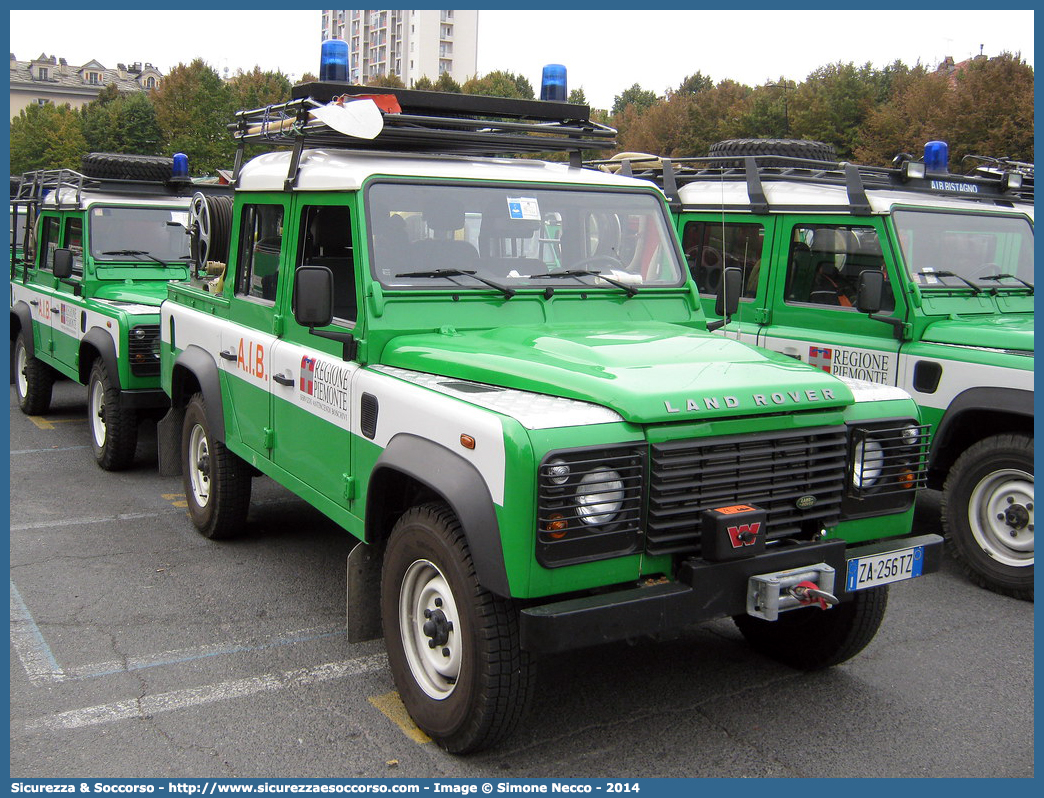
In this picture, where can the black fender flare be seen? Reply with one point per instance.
(200, 364)
(106, 347)
(1007, 401)
(24, 314)
(463, 488)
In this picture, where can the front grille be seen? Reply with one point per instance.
(771, 470)
(143, 350)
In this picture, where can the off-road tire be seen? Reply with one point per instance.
(488, 679)
(34, 380)
(976, 493)
(791, 148)
(811, 639)
(217, 482)
(120, 166)
(113, 428)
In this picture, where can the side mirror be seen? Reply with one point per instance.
(870, 291)
(313, 296)
(727, 301)
(63, 264)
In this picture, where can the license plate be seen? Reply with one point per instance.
(881, 569)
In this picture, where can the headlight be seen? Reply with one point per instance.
(867, 463)
(589, 504)
(599, 496)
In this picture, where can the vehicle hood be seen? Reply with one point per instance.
(1014, 332)
(648, 373)
(139, 293)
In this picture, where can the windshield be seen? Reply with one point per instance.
(979, 248)
(139, 235)
(460, 236)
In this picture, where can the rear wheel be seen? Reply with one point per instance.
(987, 513)
(453, 647)
(33, 380)
(217, 482)
(811, 639)
(114, 429)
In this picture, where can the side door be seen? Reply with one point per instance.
(245, 346)
(41, 293)
(66, 323)
(313, 410)
(813, 290)
(711, 244)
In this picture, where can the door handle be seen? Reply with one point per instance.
(54, 310)
(34, 302)
(283, 380)
(229, 355)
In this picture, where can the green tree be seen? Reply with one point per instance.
(116, 122)
(577, 96)
(637, 97)
(194, 108)
(424, 83)
(832, 104)
(447, 84)
(694, 84)
(916, 112)
(256, 89)
(499, 84)
(46, 137)
(386, 82)
(991, 110)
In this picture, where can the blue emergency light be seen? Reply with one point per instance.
(180, 165)
(937, 156)
(333, 61)
(553, 83)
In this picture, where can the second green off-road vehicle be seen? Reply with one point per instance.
(946, 264)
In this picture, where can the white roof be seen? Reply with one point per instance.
(780, 193)
(341, 170)
(90, 198)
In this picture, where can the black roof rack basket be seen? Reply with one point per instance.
(430, 122)
(671, 173)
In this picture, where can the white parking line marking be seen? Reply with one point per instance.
(148, 706)
(29, 644)
(76, 521)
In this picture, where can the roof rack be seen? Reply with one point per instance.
(670, 174)
(426, 122)
(33, 187)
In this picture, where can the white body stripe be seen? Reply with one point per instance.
(328, 388)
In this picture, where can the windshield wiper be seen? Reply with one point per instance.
(132, 252)
(930, 273)
(999, 277)
(630, 289)
(505, 290)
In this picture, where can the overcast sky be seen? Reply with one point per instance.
(605, 52)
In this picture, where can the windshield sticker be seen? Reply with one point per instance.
(523, 208)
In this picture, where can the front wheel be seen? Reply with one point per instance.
(217, 482)
(34, 380)
(114, 429)
(453, 647)
(987, 514)
(810, 639)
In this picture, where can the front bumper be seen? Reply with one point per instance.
(703, 591)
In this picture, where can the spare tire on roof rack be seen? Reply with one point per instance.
(789, 148)
(121, 166)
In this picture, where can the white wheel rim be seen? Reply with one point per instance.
(1000, 512)
(425, 590)
(21, 357)
(96, 412)
(199, 465)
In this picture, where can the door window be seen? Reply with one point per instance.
(824, 263)
(326, 240)
(260, 249)
(711, 246)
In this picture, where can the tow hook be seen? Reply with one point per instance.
(809, 593)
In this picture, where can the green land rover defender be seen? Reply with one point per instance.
(90, 261)
(495, 373)
(945, 311)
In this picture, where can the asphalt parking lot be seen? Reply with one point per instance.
(140, 649)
